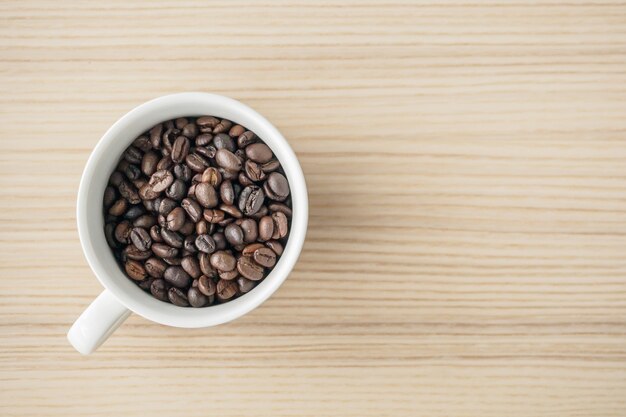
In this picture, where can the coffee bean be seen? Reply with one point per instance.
(228, 275)
(145, 220)
(245, 285)
(191, 266)
(190, 130)
(132, 252)
(279, 207)
(231, 210)
(161, 180)
(140, 238)
(270, 166)
(122, 231)
(250, 230)
(165, 163)
(246, 139)
(146, 284)
(196, 298)
(158, 289)
(251, 199)
(263, 211)
(223, 261)
(203, 139)
(205, 243)
(142, 143)
(206, 285)
(206, 195)
(189, 244)
(249, 269)
(135, 270)
(155, 234)
(116, 179)
(176, 276)
(277, 185)
(155, 136)
(213, 216)
(249, 250)
(254, 171)
(193, 209)
(223, 141)
(166, 206)
(205, 265)
(129, 192)
(180, 149)
(162, 221)
(173, 239)
(132, 172)
(207, 123)
(173, 261)
(212, 176)
(226, 290)
(236, 131)
(276, 246)
(220, 241)
(233, 234)
(181, 122)
(264, 257)
(266, 228)
(177, 297)
(227, 192)
(223, 126)
(176, 219)
(109, 234)
(146, 192)
(177, 190)
(244, 180)
(281, 224)
(133, 212)
(133, 155)
(227, 160)
(202, 227)
(155, 267)
(196, 162)
(164, 251)
(110, 195)
(259, 152)
(188, 228)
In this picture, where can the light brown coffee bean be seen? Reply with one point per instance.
(207, 123)
(223, 126)
(212, 176)
(226, 290)
(281, 224)
(253, 171)
(276, 246)
(206, 285)
(249, 250)
(249, 269)
(250, 230)
(161, 180)
(165, 163)
(204, 139)
(270, 166)
(264, 257)
(202, 227)
(266, 228)
(259, 152)
(227, 160)
(223, 261)
(228, 275)
(246, 139)
(205, 264)
(146, 192)
(231, 211)
(236, 131)
(213, 215)
(190, 130)
(164, 251)
(155, 136)
(135, 270)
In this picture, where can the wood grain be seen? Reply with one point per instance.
(465, 162)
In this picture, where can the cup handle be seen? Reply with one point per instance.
(98, 321)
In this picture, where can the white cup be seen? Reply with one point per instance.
(121, 296)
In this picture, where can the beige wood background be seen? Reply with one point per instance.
(466, 164)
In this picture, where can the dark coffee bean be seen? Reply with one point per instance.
(109, 234)
(142, 143)
(133, 155)
(223, 126)
(213, 216)
(193, 209)
(226, 222)
(196, 298)
(212, 176)
(155, 234)
(177, 297)
(155, 136)
(176, 219)
(148, 204)
(204, 139)
(122, 231)
(110, 195)
(280, 207)
(181, 122)
(263, 211)
(227, 160)
(270, 166)
(251, 199)
(225, 290)
(182, 172)
(146, 192)
(205, 265)
(158, 289)
(227, 192)
(196, 162)
(155, 267)
(264, 257)
(173, 261)
(164, 251)
(207, 123)
(177, 191)
(245, 139)
(223, 141)
(188, 228)
(233, 234)
(223, 261)
(161, 180)
(173, 239)
(259, 152)
(165, 163)
(146, 284)
(277, 185)
(180, 149)
(202, 227)
(162, 221)
(140, 238)
(231, 210)
(133, 212)
(281, 224)
(206, 151)
(135, 270)
(166, 206)
(132, 252)
(145, 220)
(236, 131)
(254, 171)
(250, 230)
(206, 285)
(189, 244)
(228, 175)
(132, 172)
(206, 195)
(116, 179)
(205, 243)
(220, 241)
(266, 228)
(249, 269)
(244, 180)
(190, 130)
(228, 275)
(176, 276)
(276, 246)
(245, 285)
(191, 266)
(129, 192)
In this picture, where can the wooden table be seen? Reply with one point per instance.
(466, 165)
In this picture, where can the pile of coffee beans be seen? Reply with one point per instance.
(197, 211)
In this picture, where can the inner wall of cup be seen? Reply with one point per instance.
(107, 155)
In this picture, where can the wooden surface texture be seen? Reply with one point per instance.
(466, 164)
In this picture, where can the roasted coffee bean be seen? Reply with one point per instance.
(212, 176)
(109, 234)
(155, 234)
(223, 141)
(223, 126)
(251, 199)
(140, 238)
(263, 211)
(191, 266)
(206, 285)
(110, 195)
(146, 192)
(161, 180)
(205, 264)
(155, 136)
(176, 219)
(204, 139)
(196, 298)
(176, 276)
(228, 275)
(189, 244)
(122, 231)
(205, 243)
(202, 227)
(164, 251)
(138, 183)
(280, 207)
(165, 163)
(264, 257)
(142, 143)
(227, 160)
(207, 123)
(225, 290)
(188, 228)
(233, 234)
(206, 151)
(173, 261)
(129, 192)
(166, 206)
(276, 246)
(245, 139)
(193, 209)
(228, 175)
(132, 172)
(135, 270)
(196, 162)
(266, 228)
(177, 297)
(277, 184)
(162, 221)
(245, 285)
(155, 267)
(231, 211)
(259, 152)
(249, 250)
(182, 172)
(177, 191)
(181, 122)
(249, 269)
(250, 230)
(133, 212)
(158, 289)
(227, 192)
(190, 130)
(133, 155)
(180, 149)
(236, 131)
(281, 224)
(270, 166)
(116, 178)
(206, 195)
(145, 220)
(146, 284)
(132, 252)
(213, 215)
(254, 171)
(223, 261)
(220, 241)
(244, 180)
(173, 239)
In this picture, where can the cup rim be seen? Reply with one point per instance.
(106, 154)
